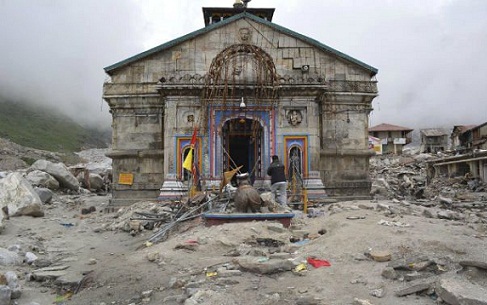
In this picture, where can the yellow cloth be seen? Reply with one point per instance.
(188, 162)
(227, 176)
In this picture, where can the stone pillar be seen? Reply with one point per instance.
(137, 148)
(344, 155)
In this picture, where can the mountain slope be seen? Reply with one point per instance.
(45, 128)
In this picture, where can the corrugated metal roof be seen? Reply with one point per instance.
(480, 126)
(211, 27)
(389, 127)
(463, 128)
(434, 132)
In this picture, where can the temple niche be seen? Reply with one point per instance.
(252, 89)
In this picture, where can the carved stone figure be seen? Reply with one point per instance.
(294, 117)
(247, 199)
(244, 34)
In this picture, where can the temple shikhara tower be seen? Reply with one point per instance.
(250, 89)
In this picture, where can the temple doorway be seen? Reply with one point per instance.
(242, 143)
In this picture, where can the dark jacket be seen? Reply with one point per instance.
(277, 172)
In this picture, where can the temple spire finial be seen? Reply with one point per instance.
(238, 4)
(245, 2)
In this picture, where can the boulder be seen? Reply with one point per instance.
(5, 294)
(58, 171)
(9, 258)
(90, 181)
(13, 283)
(42, 179)
(96, 182)
(459, 291)
(18, 196)
(268, 202)
(45, 194)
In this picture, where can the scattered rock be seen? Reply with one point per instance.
(18, 195)
(9, 258)
(478, 264)
(361, 302)
(378, 293)
(380, 255)
(42, 179)
(414, 288)
(255, 265)
(458, 291)
(389, 273)
(58, 171)
(45, 194)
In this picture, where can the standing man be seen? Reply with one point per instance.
(278, 181)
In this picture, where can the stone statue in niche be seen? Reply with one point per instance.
(190, 118)
(237, 70)
(294, 117)
(244, 34)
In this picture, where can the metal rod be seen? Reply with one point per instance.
(188, 215)
(234, 164)
(255, 166)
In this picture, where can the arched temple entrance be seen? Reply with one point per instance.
(239, 98)
(242, 145)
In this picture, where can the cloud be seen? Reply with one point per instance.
(430, 54)
(53, 52)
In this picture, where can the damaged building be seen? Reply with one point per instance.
(433, 140)
(393, 138)
(469, 143)
(251, 89)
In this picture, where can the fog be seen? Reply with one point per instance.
(53, 52)
(430, 54)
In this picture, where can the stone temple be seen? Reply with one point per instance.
(252, 89)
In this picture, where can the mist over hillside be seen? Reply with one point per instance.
(44, 127)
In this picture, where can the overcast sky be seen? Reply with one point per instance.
(431, 55)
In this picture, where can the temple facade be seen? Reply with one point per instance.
(251, 89)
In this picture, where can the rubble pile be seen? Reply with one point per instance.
(416, 242)
(31, 190)
(404, 178)
(400, 177)
(164, 217)
(272, 251)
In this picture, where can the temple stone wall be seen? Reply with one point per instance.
(195, 56)
(344, 162)
(153, 95)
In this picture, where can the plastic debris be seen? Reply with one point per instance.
(302, 242)
(300, 267)
(318, 262)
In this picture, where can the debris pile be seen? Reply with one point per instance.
(416, 242)
(404, 178)
(400, 177)
(162, 218)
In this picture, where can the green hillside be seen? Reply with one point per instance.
(47, 129)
